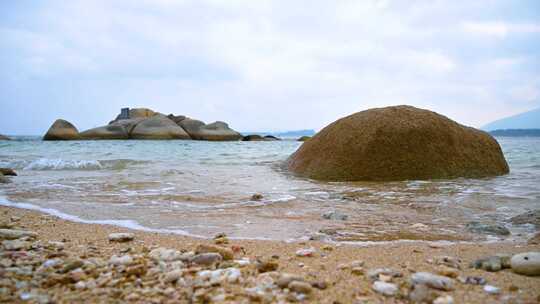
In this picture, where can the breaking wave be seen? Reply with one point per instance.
(48, 164)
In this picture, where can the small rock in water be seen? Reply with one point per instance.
(207, 259)
(493, 229)
(527, 263)
(491, 289)
(335, 215)
(444, 300)
(306, 252)
(433, 281)
(534, 240)
(4, 180)
(121, 237)
(384, 288)
(7, 172)
(256, 197)
(529, 217)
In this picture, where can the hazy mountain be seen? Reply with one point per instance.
(293, 133)
(526, 120)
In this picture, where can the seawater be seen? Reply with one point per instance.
(203, 188)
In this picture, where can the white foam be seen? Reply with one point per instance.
(61, 164)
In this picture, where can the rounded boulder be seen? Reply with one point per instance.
(62, 130)
(158, 127)
(398, 143)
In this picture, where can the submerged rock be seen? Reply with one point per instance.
(483, 228)
(8, 172)
(62, 130)
(530, 217)
(398, 143)
(527, 263)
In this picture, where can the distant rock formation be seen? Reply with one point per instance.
(256, 137)
(304, 138)
(62, 130)
(3, 137)
(398, 143)
(143, 123)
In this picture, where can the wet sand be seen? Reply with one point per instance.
(342, 286)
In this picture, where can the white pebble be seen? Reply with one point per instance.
(491, 289)
(387, 289)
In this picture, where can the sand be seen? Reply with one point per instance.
(342, 285)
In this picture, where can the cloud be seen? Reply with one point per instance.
(264, 64)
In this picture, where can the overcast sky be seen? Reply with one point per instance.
(264, 65)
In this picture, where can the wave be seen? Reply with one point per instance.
(50, 164)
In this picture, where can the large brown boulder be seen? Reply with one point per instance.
(398, 143)
(106, 132)
(62, 130)
(158, 127)
(3, 137)
(217, 131)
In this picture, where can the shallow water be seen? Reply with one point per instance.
(203, 188)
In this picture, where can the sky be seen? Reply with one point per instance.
(265, 65)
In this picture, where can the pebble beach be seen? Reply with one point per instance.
(58, 261)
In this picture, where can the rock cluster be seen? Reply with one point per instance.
(3, 137)
(398, 143)
(142, 123)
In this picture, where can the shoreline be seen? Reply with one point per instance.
(324, 268)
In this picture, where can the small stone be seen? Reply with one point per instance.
(207, 259)
(384, 288)
(78, 275)
(483, 228)
(285, 279)
(256, 197)
(327, 248)
(491, 289)
(7, 172)
(357, 270)
(80, 285)
(15, 244)
(165, 255)
(121, 260)
(535, 239)
(419, 226)
(226, 253)
(70, 265)
(306, 252)
(335, 215)
(513, 288)
(447, 299)
(322, 285)
(447, 271)
(472, 280)
(300, 287)
(266, 265)
(420, 293)
(173, 276)
(12, 234)
(433, 281)
(121, 237)
(448, 261)
(492, 263)
(527, 263)
(374, 274)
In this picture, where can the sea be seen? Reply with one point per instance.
(200, 189)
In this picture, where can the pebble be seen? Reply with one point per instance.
(374, 274)
(384, 288)
(15, 244)
(491, 289)
(300, 287)
(433, 281)
(306, 252)
(448, 261)
(12, 234)
(447, 299)
(527, 263)
(165, 255)
(121, 237)
(335, 215)
(266, 265)
(419, 226)
(207, 259)
(420, 293)
(483, 228)
(357, 270)
(173, 276)
(285, 279)
(256, 197)
(447, 271)
(226, 253)
(492, 263)
(121, 260)
(472, 280)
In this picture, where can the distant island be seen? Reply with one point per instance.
(286, 134)
(516, 132)
(527, 120)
